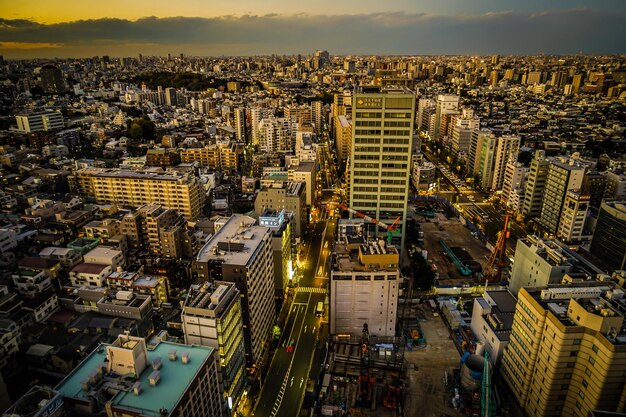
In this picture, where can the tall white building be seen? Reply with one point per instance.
(241, 253)
(575, 209)
(364, 284)
(382, 133)
(538, 263)
(277, 134)
(256, 115)
(462, 127)
(446, 104)
(563, 175)
(507, 148)
(513, 185)
(423, 103)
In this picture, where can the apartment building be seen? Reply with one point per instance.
(563, 175)
(533, 193)
(288, 196)
(241, 253)
(39, 121)
(179, 191)
(609, 238)
(572, 224)
(211, 317)
(223, 155)
(567, 354)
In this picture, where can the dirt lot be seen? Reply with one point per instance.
(454, 234)
(427, 394)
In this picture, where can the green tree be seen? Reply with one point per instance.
(135, 131)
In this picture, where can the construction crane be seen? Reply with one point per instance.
(365, 380)
(497, 259)
(391, 230)
(487, 405)
(463, 269)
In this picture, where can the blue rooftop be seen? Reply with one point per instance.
(175, 377)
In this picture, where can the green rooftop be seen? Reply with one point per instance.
(175, 377)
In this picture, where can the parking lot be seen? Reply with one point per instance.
(427, 395)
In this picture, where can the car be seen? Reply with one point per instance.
(290, 346)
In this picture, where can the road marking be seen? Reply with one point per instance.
(279, 400)
(312, 290)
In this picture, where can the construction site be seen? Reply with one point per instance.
(365, 376)
(434, 366)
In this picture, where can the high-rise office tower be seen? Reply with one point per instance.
(240, 124)
(382, 133)
(533, 194)
(212, 317)
(609, 238)
(52, 80)
(241, 253)
(446, 104)
(566, 355)
(563, 175)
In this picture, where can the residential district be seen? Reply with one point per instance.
(313, 236)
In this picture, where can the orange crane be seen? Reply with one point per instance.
(497, 259)
(391, 230)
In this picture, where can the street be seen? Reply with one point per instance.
(283, 390)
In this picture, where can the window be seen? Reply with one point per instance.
(585, 384)
(592, 360)
(595, 348)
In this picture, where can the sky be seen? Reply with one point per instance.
(78, 28)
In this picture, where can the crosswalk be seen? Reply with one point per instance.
(312, 289)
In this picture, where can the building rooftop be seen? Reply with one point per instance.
(145, 174)
(235, 242)
(146, 281)
(103, 252)
(89, 268)
(595, 306)
(343, 121)
(213, 299)
(175, 377)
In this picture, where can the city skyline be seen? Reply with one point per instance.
(72, 29)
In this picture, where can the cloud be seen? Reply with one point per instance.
(558, 32)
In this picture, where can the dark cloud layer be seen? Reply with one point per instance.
(558, 32)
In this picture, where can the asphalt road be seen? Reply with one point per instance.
(283, 390)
